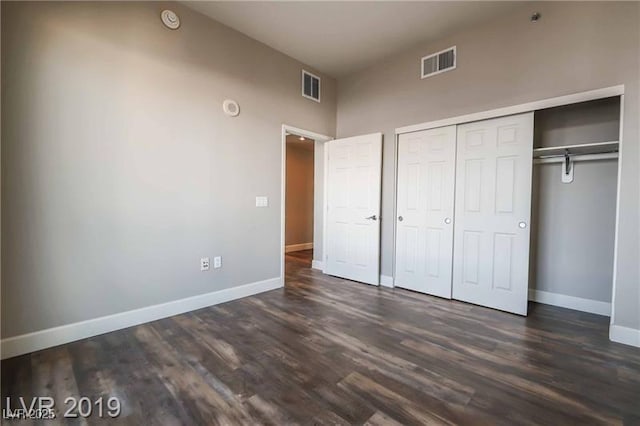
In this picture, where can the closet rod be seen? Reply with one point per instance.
(593, 146)
(576, 158)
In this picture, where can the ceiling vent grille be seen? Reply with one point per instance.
(310, 86)
(439, 62)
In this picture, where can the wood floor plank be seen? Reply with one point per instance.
(381, 419)
(329, 351)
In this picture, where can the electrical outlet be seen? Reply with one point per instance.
(204, 264)
(262, 201)
(217, 262)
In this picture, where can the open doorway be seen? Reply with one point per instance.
(292, 245)
(299, 198)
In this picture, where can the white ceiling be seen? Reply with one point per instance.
(338, 38)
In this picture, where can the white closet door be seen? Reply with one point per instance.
(424, 237)
(493, 209)
(353, 200)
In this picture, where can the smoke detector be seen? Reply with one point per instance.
(231, 108)
(170, 19)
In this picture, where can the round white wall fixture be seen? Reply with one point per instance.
(231, 108)
(170, 19)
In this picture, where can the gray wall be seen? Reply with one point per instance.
(586, 122)
(119, 169)
(572, 229)
(573, 48)
(299, 192)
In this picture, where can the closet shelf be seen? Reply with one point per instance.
(579, 149)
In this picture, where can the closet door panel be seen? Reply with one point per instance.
(493, 210)
(424, 242)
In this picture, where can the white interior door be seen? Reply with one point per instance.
(353, 202)
(424, 233)
(493, 209)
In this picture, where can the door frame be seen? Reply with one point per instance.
(394, 250)
(316, 137)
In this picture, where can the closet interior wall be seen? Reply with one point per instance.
(573, 224)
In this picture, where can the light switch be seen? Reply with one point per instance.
(262, 201)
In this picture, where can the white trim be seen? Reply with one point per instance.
(298, 247)
(317, 137)
(319, 86)
(455, 62)
(55, 336)
(386, 281)
(317, 264)
(617, 224)
(325, 205)
(625, 335)
(571, 302)
(306, 133)
(394, 249)
(518, 109)
(283, 191)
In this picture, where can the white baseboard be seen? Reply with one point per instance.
(55, 336)
(317, 264)
(298, 247)
(626, 335)
(386, 281)
(571, 302)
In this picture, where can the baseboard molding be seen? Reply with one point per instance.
(571, 302)
(55, 336)
(298, 247)
(317, 264)
(386, 281)
(625, 335)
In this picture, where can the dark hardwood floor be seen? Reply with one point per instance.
(329, 351)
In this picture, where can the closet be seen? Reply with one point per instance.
(502, 210)
(575, 180)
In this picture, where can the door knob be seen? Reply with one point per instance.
(447, 220)
(373, 217)
(522, 224)
(400, 218)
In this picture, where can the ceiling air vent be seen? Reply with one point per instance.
(310, 86)
(437, 63)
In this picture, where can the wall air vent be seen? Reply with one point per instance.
(310, 86)
(439, 62)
